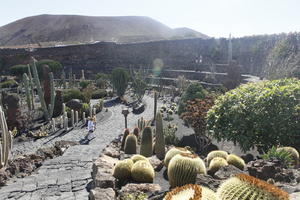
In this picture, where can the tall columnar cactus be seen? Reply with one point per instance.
(191, 192)
(27, 91)
(147, 142)
(94, 111)
(70, 78)
(72, 118)
(155, 103)
(63, 77)
(83, 118)
(130, 144)
(63, 108)
(31, 86)
(91, 110)
(173, 152)
(243, 186)
(6, 141)
(76, 118)
(183, 169)
(125, 134)
(40, 91)
(101, 104)
(52, 95)
(142, 171)
(82, 74)
(159, 137)
(141, 124)
(66, 120)
(62, 121)
(53, 125)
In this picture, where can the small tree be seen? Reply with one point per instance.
(120, 79)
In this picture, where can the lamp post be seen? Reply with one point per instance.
(125, 112)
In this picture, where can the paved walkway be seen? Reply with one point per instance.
(66, 177)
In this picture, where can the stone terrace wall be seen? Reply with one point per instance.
(250, 52)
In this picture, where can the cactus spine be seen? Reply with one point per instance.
(6, 141)
(40, 91)
(76, 118)
(130, 144)
(72, 118)
(159, 137)
(243, 186)
(147, 142)
(27, 91)
(183, 169)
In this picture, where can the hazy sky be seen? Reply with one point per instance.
(216, 18)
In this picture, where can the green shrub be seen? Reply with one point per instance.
(85, 108)
(84, 84)
(120, 78)
(73, 94)
(284, 157)
(194, 91)
(99, 94)
(259, 114)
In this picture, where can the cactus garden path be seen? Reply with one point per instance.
(68, 176)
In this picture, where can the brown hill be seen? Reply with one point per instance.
(87, 29)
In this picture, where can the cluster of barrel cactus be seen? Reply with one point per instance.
(137, 167)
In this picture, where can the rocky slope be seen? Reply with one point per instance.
(88, 29)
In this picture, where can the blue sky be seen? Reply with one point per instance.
(216, 18)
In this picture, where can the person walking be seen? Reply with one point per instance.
(94, 119)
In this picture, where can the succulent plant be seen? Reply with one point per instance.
(130, 144)
(215, 164)
(147, 142)
(6, 140)
(293, 153)
(122, 169)
(243, 186)
(125, 134)
(173, 152)
(137, 157)
(142, 171)
(236, 161)
(155, 103)
(191, 192)
(183, 169)
(159, 138)
(217, 153)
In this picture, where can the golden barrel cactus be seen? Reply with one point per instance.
(173, 152)
(243, 186)
(142, 172)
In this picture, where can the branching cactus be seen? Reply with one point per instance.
(40, 91)
(147, 142)
(6, 141)
(159, 138)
